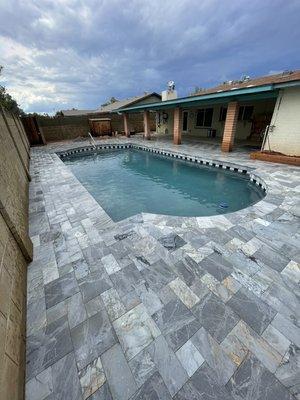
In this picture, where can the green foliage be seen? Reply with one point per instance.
(8, 102)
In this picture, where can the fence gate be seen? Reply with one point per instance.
(32, 130)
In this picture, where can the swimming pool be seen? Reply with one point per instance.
(128, 181)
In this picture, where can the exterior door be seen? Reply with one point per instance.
(185, 115)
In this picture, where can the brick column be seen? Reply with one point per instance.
(230, 126)
(177, 128)
(147, 125)
(126, 124)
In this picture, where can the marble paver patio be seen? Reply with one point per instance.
(160, 307)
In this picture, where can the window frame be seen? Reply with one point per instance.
(205, 111)
(243, 114)
(223, 113)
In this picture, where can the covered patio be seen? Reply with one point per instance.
(231, 119)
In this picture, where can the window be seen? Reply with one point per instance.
(223, 113)
(245, 113)
(204, 117)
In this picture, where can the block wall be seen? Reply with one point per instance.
(15, 254)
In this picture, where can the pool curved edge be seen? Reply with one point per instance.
(172, 220)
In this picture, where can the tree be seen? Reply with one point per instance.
(7, 101)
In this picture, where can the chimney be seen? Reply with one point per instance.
(170, 93)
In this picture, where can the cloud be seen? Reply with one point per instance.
(73, 53)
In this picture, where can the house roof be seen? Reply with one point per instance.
(112, 106)
(286, 76)
(127, 102)
(252, 89)
(74, 113)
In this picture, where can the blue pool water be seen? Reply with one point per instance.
(126, 182)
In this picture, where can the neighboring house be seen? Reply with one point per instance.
(145, 98)
(234, 112)
(75, 113)
(111, 111)
(135, 120)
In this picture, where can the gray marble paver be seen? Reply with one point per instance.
(214, 355)
(190, 357)
(102, 394)
(266, 354)
(276, 339)
(135, 330)
(185, 294)
(41, 386)
(92, 338)
(76, 310)
(217, 266)
(149, 298)
(118, 373)
(216, 317)
(66, 383)
(91, 377)
(203, 385)
(60, 289)
(168, 365)
(176, 322)
(153, 389)
(188, 270)
(47, 346)
(126, 280)
(287, 328)
(252, 310)
(158, 275)
(94, 284)
(161, 307)
(113, 304)
(253, 381)
(288, 372)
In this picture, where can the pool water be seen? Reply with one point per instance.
(128, 181)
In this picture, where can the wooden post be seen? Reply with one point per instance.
(177, 128)
(230, 126)
(147, 134)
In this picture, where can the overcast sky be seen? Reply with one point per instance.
(67, 53)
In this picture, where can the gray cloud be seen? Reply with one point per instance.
(72, 53)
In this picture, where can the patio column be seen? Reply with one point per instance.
(126, 124)
(177, 128)
(230, 126)
(147, 125)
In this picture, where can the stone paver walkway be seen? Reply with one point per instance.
(158, 307)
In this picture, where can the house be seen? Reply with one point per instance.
(261, 112)
(136, 124)
(111, 111)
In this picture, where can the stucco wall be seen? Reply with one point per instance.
(285, 135)
(243, 127)
(15, 253)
